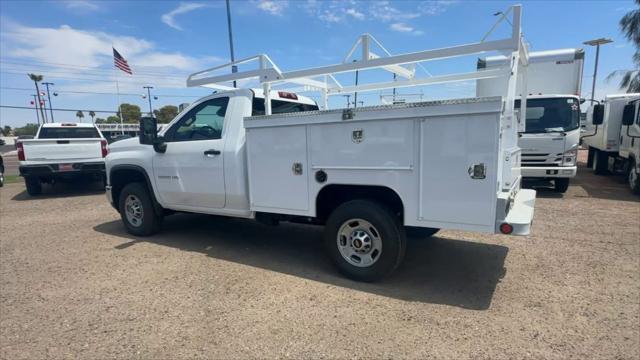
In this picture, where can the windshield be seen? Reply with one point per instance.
(553, 114)
(68, 133)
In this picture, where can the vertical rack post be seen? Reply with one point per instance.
(266, 88)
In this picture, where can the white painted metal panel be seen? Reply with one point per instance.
(380, 144)
(449, 147)
(273, 185)
(69, 150)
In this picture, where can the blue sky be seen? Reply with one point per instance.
(69, 42)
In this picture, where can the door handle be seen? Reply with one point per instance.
(211, 152)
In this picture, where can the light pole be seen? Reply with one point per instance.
(149, 95)
(596, 43)
(49, 96)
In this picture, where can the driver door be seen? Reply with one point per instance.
(190, 174)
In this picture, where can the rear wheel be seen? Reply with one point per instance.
(561, 185)
(600, 162)
(33, 185)
(137, 210)
(634, 177)
(365, 240)
(420, 232)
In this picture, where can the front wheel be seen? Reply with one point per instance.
(600, 162)
(561, 185)
(137, 210)
(365, 240)
(634, 178)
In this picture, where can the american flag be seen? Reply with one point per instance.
(120, 62)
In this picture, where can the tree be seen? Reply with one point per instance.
(36, 79)
(166, 113)
(29, 129)
(6, 130)
(130, 113)
(93, 115)
(630, 27)
(113, 120)
(100, 121)
(80, 115)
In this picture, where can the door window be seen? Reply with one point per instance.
(203, 122)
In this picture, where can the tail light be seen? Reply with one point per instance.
(103, 146)
(20, 148)
(287, 95)
(506, 228)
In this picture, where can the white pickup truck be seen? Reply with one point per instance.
(370, 174)
(61, 151)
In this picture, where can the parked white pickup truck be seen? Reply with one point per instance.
(368, 174)
(61, 151)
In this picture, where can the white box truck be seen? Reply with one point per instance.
(612, 137)
(550, 139)
(370, 175)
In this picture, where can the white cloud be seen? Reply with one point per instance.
(404, 28)
(81, 5)
(354, 13)
(183, 8)
(273, 7)
(74, 54)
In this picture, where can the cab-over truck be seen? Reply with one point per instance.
(370, 175)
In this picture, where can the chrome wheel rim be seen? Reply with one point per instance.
(359, 242)
(133, 210)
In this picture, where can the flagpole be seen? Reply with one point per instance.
(119, 104)
(118, 95)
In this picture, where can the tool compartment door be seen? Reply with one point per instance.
(450, 192)
(277, 159)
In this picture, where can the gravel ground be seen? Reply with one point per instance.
(75, 285)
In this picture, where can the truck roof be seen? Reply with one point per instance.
(568, 54)
(67, 124)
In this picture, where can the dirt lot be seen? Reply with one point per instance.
(75, 285)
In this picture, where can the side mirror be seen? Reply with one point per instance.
(582, 101)
(148, 131)
(598, 114)
(627, 114)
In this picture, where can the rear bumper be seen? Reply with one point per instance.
(520, 216)
(53, 170)
(549, 172)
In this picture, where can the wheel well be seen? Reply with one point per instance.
(332, 196)
(119, 178)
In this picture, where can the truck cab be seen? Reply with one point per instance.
(551, 132)
(612, 137)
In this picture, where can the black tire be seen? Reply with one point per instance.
(33, 185)
(590, 157)
(149, 222)
(600, 162)
(420, 232)
(561, 185)
(387, 227)
(633, 177)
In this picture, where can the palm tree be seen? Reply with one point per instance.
(92, 114)
(36, 79)
(630, 26)
(80, 115)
